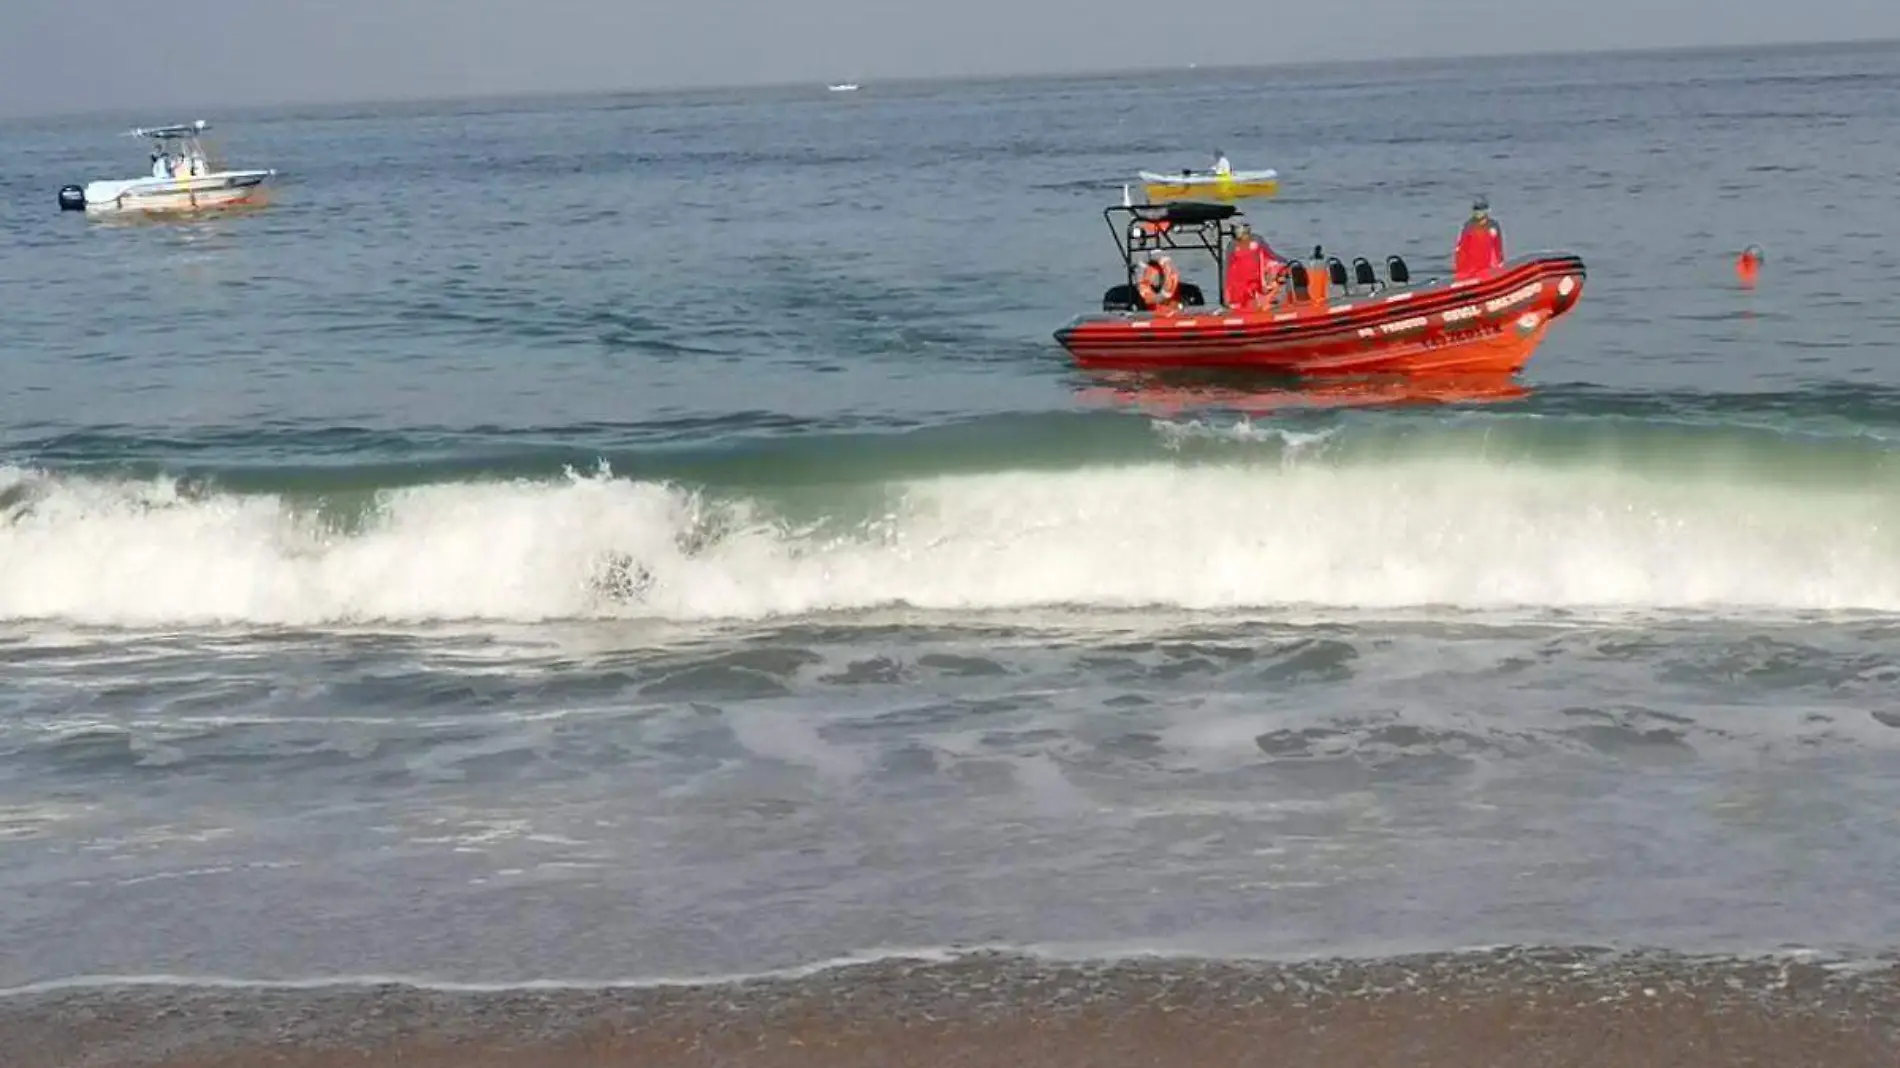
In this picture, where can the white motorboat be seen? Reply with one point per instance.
(183, 180)
(843, 87)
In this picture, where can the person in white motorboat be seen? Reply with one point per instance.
(186, 164)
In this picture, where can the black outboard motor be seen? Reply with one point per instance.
(72, 198)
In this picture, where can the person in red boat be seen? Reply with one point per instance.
(1271, 268)
(1242, 284)
(1480, 243)
(1252, 271)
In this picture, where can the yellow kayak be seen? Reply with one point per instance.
(1201, 185)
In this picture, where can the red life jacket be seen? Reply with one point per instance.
(1270, 262)
(1480, 248)
(1238, 288)
(1248, 274)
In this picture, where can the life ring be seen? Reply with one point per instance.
(1159, 273)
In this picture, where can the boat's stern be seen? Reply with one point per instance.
(109, 191)
(1076, 334)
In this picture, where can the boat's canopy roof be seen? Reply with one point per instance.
(171, 133)
(1181, 225)
(1180, 212)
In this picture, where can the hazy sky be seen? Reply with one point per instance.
(152, 55)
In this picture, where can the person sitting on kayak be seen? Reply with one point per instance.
(1221, 166)
(1480, 243)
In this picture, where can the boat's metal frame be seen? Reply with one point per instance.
(1161, 227)
(1201, 226)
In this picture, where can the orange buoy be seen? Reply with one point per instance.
(1748, 265)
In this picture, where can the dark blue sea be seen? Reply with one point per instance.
(645, 536)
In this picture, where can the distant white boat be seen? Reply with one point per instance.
(182, 180)
(844, 87)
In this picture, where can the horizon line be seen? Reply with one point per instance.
(1085, 73)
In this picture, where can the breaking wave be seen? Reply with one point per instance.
(1447, 526)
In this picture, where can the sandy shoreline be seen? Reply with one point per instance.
(1506, 1007)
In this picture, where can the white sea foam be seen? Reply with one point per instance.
(1054, 953)
(1442, 530)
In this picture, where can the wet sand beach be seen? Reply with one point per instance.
(1501, 1007)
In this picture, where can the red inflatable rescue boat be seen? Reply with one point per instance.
(1346, 324)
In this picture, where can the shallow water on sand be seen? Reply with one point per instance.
(657, 536)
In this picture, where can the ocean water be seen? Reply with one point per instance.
(657, 535)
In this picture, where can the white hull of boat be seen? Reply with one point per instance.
(221, 189)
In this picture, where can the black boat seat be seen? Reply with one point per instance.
(1297, 280)
(1362, 271)
(1396, 270)
(1337, 271)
